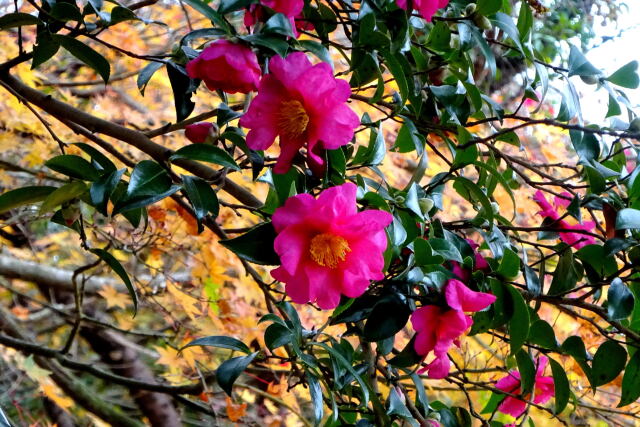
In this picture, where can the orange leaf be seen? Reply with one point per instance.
(235, 412)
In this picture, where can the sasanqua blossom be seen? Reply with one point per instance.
(327, 248)
(226, 66)
(199, 132)
(438, 328)
(300, 103)
(543, 390)
(574, 239)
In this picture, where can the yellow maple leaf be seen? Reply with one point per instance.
(52, 392)
(113, 298)
(190, 304)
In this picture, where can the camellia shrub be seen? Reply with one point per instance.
(412, 220)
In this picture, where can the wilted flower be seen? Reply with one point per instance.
(543, 390)
(301, 104)
(226, 66)
(327, 248)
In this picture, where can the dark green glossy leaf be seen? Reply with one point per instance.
(519, 323)
(183, 88)
(527, 371)
(99, 158)
(509, 265)
(608, 362)
(102, 189)
(278, 24)
(202, 197)
(130, 203)
(17, 19)
(631, 381)
(396, 406)
(387, 318)
(115, 265)
(146, 73)
(256, 245)
(215, 17)
(85, 54)
(316, 397)
(220, 342)
(561, 386)
(579, 65)
(148, 178)
(229, 371)
(541, 333)
(620, 300)
(24, 196)
(45, 48)
(276, 335)
(206, 153)
(73, 166)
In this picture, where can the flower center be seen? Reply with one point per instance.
(292, 119)
(328, 250)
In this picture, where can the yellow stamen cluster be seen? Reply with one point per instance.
(328, 250)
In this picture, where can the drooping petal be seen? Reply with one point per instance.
(460, 297)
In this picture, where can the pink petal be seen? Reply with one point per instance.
(460, 297)
(295, 209)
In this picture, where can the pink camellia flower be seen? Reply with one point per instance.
(577, 240)
(292, 9)
(427, 8)
(227, 66)
(199, 132)
(437, 328)
(328, 248)
(543, 390)
(301, 104)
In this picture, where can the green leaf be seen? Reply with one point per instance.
(85, 54)
(471, 192)
(24, 196)
(146, 73)
(215, 17)
(202, 197)
(183, 88)
(274, 43)
(206, 153)
(63, 194)
(148, 178)
(387, 318)
(278, 24)
(445, 249)
(316, 397)
(398, 72)
(519, 323)
(527, 371)
(346, 365)
(608, 362)
(130, 203)
(628, 218)
(579, 65)
(73, 166)
(99, 158)
(45, 48)
(631, 381)
(318, 50)
(488, 7)
(396, 406)
(541, 333)
(227, 6)
(17, 19)
(561, 386)
(276, 335)
(439, 37)
(620, 300)
(509, 265)
(626, 76)
(220, 342)
(120, 271)
(229, 371)
(122, 14)
(532, 280)
(102, 189)
(256, 245)
(407, 357)
(565, 276)
(64, 12)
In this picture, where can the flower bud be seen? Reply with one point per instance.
(482, 22)
(200, 132)
(425, 205)
(590, 80)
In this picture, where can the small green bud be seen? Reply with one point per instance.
(634, 126)
(590, 80)
(425, 205)
(470, 9)
(482, 22)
